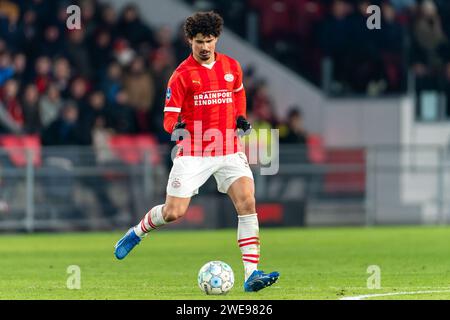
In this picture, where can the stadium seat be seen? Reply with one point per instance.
(148, 143)
(275, 16)
(16, 147)
(346, 182)
(131, 149)
(316, 150)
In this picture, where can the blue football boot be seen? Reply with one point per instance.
(126, 244)
(259, 280)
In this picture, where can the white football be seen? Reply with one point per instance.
(215, 278)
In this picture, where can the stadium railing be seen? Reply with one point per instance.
(84, 188)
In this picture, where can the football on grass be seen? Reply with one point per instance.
(215, 278)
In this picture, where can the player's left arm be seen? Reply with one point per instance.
(240, 100)
(240, 104)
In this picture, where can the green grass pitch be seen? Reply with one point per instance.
(315, 263)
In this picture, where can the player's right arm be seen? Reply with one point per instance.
(174, 102)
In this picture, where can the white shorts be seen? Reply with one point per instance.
(189, 173)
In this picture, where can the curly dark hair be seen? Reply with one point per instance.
(205, 23)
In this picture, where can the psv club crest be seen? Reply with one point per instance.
(228, 77)
(176, 183)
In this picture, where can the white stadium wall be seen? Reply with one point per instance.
(356, 122)
(410, 181)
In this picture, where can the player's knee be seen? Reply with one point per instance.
(173, 212)
(246, 204)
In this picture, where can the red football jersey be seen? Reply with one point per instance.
(208, 98)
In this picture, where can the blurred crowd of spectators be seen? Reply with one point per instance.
(71, 86)
(74, 86)
(67, 85)
(301, 33)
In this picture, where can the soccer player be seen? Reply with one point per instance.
(206, 100)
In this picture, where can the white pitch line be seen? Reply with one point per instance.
(391, 294)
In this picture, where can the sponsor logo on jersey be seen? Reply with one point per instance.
(228, 77)
(213, 97)
(168, 93)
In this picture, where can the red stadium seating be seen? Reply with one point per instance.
(276, 16)
(147, 143)
(123, 147)
(16, 147)
(316, 150)
(131, 149)
(350, 182)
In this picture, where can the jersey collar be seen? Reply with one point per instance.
(208, 66)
